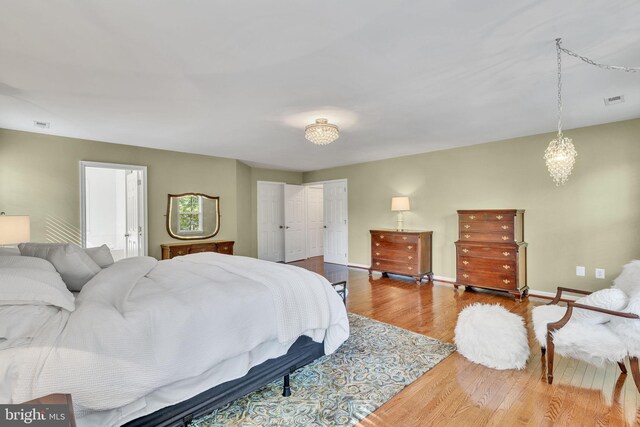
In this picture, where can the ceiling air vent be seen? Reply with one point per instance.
(41, 125)
(614, 100)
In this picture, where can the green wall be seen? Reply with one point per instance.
(594, 220)
(40, 177)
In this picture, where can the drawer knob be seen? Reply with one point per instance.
(377, 244)
(465, 250)
(465, 262)
(410, 257)
(466, 236)
(404, 237)
(499, 216)
(409, 268)
(467, 226)
(505, 237)
(381, 236)
(506, 281)
(506, 267)
(377, 253)
(472, 217)
(466, 276)
(409, 247)
(377, 263)
(505, 227)
(506, 253)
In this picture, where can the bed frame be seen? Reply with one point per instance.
(301, 353)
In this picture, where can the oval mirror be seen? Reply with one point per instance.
(193, 216)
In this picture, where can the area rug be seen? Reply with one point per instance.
(373, 365)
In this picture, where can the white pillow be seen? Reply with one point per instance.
(26, 262)
(73, 264)
(610, 299)
(629, 280)
(29, 286)
(101, 255)
(9, 251)
(20, 323)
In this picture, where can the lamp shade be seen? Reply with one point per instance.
(14, 229)
(400, 204)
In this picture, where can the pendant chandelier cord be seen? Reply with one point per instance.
(592, 62)
(559, 54)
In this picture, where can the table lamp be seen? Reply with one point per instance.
(14, 229)
(400, 204)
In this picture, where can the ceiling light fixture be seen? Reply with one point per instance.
(560, 155)
(321, 132)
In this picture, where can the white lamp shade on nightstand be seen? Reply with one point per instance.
(14, 229)
(400, 204)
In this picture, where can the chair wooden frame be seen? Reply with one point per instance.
(552, 327)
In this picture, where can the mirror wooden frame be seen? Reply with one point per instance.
(170, 197)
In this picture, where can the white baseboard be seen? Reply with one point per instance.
(545, 294)
(355, 264)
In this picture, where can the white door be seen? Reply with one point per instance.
(271, 221)
(294, 223)
(315, 221)
(134, 230)
(335, 221)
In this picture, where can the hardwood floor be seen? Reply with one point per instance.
(460, 393)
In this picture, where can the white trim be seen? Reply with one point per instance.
(85, 164)
(326, 182)
(443, 278)
(534, 293)
(270, 182)
(355, 264)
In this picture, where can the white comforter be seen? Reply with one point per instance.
(146, 334)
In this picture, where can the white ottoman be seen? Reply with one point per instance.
(492, 336)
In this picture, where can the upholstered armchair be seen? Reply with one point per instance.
(600, 327)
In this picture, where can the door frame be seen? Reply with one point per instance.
(83, 202)
(346, 182)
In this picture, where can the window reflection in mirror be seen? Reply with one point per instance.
(193, 216)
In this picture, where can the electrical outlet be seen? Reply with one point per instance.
(599, 273)
(580, 271)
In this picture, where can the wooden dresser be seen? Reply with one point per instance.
(407, 253)
(169, 250)
(491, 252)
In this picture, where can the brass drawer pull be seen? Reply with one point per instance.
(466, 236)
(377, 244)
(409, 247)
(505, 237)
(506, 281)
(466, 276)
(465, 250)
(467, 226)
(410, 257)
(377, 263)
(506, 267)
(377, 253)
(404, 237)
(381, 236)
(465, 262)
(505, 227)
(499, 216)
(409, 268)
(506, 253)
(472, 217)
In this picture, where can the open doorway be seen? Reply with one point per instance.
(302, 221)
(113, 208)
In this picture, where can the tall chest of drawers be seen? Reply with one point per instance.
(491, 252)
(406, 253)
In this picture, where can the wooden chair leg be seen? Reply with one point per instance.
(550, 351)
(635, 371)
(623, 368)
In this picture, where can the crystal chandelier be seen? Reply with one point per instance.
(321, 132)
(560, 155)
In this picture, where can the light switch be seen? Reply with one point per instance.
(599, 273)
(580, 271)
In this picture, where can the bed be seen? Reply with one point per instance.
(158, 342)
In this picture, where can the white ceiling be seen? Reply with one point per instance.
(241, 79)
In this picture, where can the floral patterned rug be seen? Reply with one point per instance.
(373, 365)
